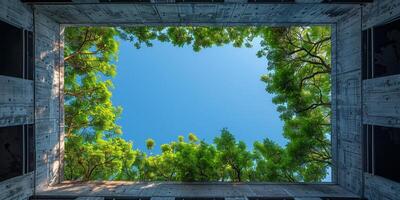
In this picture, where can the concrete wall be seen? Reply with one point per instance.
(346, 95)
(16, 99)
(381, 99)
(49, 102)
(354, 100)
(35, 101)
(357, 102)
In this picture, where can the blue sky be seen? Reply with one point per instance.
(166, 91)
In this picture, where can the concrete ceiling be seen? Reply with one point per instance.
(221, 14)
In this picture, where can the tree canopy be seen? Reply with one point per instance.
(298, 75)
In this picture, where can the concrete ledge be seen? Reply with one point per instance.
(174, 189)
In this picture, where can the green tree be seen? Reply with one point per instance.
(195, 161)
(233, 156)
(299, 75)
(197, 37)
(273, 163)
(150, 143)
(192, 137)
(88, 55)
(97, 160)
(299, 66)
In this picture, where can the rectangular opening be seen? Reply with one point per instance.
(29, 65)
(16, 52)
(30, 141)
(367, 146)
(381, 148)
(17, 150)
(367, 54)
(198, 113)
(381, 50)
(11, 152)
(386, 147)
(386, 46)
(11, 50)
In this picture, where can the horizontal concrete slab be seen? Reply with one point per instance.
(90, 198)
(222, 14)
(173, 189)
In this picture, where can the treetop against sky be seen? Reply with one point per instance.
(298, 76)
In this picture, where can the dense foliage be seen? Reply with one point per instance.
(298, 74)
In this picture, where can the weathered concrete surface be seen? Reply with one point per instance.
(49, 102)
(20, 187)
(311, 198)
(16, 13)
(380, 188)
(170, 189)
(346, 93)
(90, 198)
(354, 102)
(165, 198)
(16, 101)
(380, 11)
(173, 1)
(381, 101)
(195, 14)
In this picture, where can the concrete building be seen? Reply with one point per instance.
(365, 94)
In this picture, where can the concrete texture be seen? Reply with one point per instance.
(221, 14)
(233, 191)
(355, 102)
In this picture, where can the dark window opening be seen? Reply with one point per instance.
(29, 55)
(29, 148)
(387, 49)
(17, 151)
(16, 52)
(381, 50)
(367, 54)
(382, 146)
(367, 143)
(386, 152)
(11, 50)
(11, 152)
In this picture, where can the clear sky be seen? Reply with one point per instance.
(166, 91)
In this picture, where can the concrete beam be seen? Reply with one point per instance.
(381, 101)
(223, 14)
(166, 190)
(16, 101)
(90, 198)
